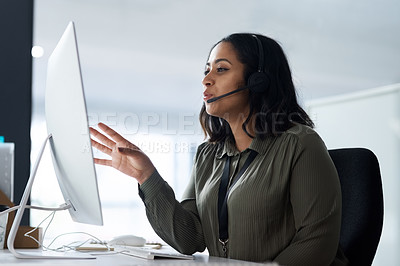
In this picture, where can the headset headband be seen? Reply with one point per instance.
(260, 54)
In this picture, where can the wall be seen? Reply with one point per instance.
(16, 18)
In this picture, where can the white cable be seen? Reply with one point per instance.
(70, 246)
(27, 234)
(62, 207)
(9, 210)
(40, 243)
(81, 243)
(53, 210)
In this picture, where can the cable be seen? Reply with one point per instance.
(9, 210)
(64, 206)
(27, 234)
(70, 246)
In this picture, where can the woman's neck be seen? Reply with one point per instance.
(242, 139)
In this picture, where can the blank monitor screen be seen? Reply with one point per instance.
(67, 122)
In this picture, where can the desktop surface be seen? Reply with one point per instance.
(6, 258)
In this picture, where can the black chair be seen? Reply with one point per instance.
(362, 203)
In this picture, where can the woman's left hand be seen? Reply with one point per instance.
(125, 156)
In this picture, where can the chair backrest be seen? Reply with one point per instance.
(362, 203)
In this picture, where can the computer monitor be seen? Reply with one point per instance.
(69, 137)
(67, 122)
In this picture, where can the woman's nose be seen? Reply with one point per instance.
(208, 80)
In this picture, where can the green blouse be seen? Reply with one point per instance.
(286, 207)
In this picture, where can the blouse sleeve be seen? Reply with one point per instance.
(177, 223)
(315, 196)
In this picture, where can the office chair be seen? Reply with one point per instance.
(362, 203)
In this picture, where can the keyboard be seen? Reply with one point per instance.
(151, 253)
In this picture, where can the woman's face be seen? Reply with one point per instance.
(225, 73)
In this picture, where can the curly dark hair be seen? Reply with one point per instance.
(276, 108)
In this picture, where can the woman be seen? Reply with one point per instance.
(263, 187)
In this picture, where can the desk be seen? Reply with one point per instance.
(6, 258)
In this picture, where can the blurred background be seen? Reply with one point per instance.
(143, 62)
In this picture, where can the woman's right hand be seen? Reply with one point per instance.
(125, 156)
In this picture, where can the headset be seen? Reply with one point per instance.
(257, 82)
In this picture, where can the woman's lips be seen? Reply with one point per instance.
(207, 96)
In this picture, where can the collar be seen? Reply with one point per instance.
(228, 148)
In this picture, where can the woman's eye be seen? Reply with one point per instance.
(219, 69)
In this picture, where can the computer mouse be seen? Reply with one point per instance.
(127, 240)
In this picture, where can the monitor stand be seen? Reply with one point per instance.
(18, 217)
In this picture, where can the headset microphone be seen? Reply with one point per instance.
(231, 92)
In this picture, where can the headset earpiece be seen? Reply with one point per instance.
(259, 81)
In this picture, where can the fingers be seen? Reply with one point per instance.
(101, 137)
(103, 162)
(118, 139)
(101, 147)
(109, 131)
